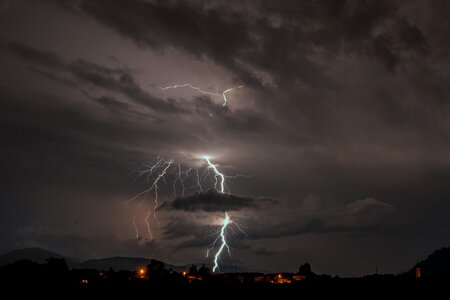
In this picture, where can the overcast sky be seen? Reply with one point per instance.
(342, 124)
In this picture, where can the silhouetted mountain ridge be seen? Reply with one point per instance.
(435, 265)
(117, 263)
(34, 254)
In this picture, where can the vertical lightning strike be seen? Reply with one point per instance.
(137, 229)
(156, 172)
(153, 187)
(182, 179)
(198, 181)
(224, 244)
(174, 184)
(223, 94)
(226, 222)
(216, 175)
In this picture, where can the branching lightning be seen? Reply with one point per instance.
(153, 187)
(221, 236)
(217, 174)
(226, 221)
(199, 178)
(223, 94)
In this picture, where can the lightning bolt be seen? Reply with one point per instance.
(153, 187)
(223, 94)
(138, 236)
(154, 173)
(226, 221)
(217, 174)
(229, 90)
(198, 180)
(224, 244)
(222, 236)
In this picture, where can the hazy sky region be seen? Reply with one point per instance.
(342, 124)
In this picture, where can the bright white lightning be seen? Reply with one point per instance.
(216, 175)
(191, 178)
(154, 187)
(229, 90)
(226, 221)
(224, 244)
(223, 94)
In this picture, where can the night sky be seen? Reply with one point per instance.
(342, 126)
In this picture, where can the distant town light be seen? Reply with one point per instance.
(418, 273)
(141, 272)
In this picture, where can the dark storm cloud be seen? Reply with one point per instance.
(236, 121)
(85, 72)
(371, 27)
(195, 235)
(81, 246)
(121, 81)
(180, 24)
(213, 201)
(113, 104)
(268, 36)
(183, 227)
(343, 99)
(361, 216)
(39, 57)
(298, 54)
(356, 217)
(261, 251)
(82, 75)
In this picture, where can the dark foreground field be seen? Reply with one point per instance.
(56, 279)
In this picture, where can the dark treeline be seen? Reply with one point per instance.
(25, 276)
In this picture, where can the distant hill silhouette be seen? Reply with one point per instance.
(223, 268)
(436, 265)
(132, 263)
(34, 254)
(117, 263)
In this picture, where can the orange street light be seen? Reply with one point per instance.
(141, 272)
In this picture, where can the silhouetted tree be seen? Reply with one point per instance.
(56, 271)
(193, 270)
(157, 270)
(204, 271)
(305, 270)
(57, 265)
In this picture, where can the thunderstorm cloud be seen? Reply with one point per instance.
(213, 201)
(342, 128)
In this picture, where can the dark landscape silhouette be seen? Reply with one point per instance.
(30, 274)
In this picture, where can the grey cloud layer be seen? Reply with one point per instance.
(213, 201)
(279, 220)
(344, 99)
